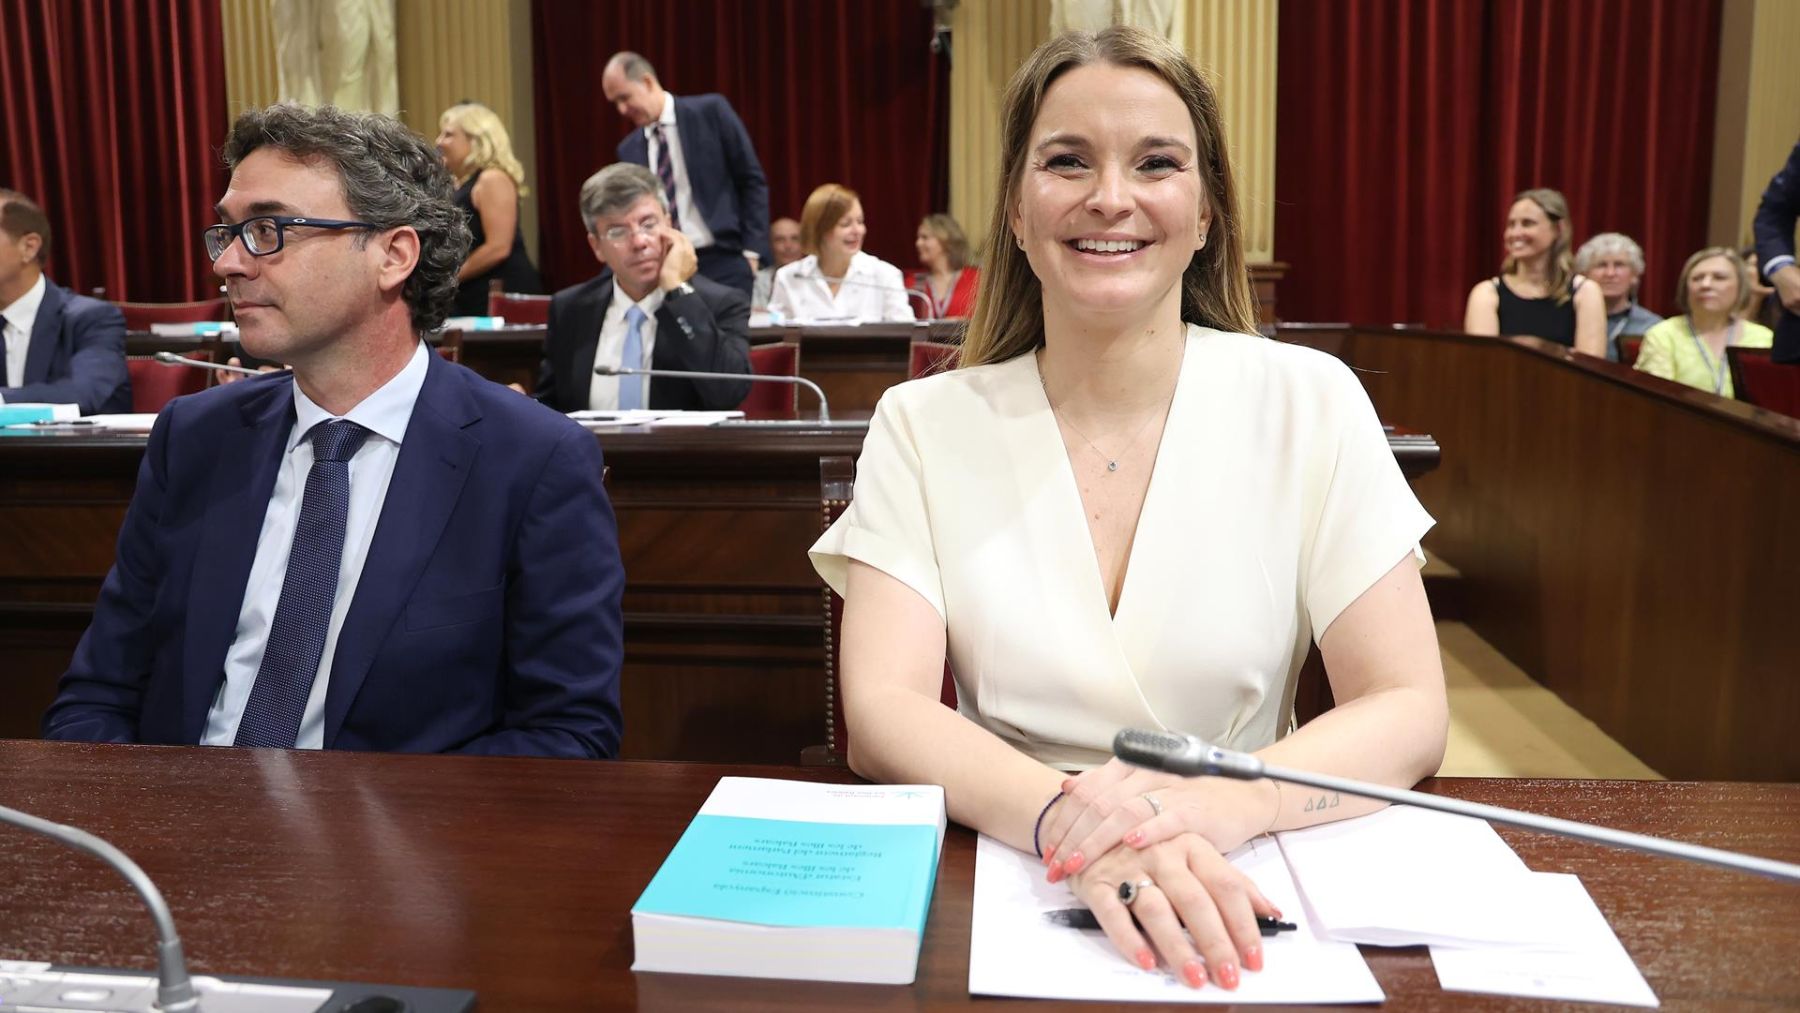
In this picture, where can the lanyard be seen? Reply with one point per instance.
(1717, 372)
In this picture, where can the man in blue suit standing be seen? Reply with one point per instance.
(378, 550)
(700, 150)
(1774, 225)
(61, 348)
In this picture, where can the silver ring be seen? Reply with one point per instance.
(1128, 891)
(1155, 806)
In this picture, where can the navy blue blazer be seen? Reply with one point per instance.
(1774, 225)
(77, 355)
(486, 619)
(727, 180)
(707, 331)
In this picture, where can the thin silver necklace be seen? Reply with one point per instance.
(1112, 463)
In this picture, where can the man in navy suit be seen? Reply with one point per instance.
(378, 550)
(1775, 253)
(61, 348)
(648, 308)
(702, 154)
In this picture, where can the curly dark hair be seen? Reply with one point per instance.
(391, 177)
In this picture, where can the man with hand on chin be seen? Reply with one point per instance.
(647, 310)
(378, 549)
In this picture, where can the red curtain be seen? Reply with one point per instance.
(114, 113)
(851, 93)
(1405, 127)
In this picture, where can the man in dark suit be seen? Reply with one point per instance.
(61, 348)
(1775, 218)
(648, 308)
(378, 550)
(708, 168)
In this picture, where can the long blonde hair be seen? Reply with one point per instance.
(489, 145)
(1562, 263)
(1215, 288)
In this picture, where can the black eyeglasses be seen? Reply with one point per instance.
(267, 234)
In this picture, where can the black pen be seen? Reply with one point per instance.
(54, 423)
(1082, 918)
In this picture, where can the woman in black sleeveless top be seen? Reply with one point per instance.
(1537, 292)
(490, 184)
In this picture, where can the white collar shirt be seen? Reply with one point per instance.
(603, 391)
(385, 413)
(873, 291)
(19, 319)
(693, 223)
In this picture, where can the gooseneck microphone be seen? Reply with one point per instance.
(174, 989)
(688, 374)
(1189, 756)
(171, 359)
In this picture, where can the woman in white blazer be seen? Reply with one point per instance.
(1127, 509)
(836, 282)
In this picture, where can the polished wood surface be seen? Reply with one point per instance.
(1631, 543)
(515, 878)
(724, 630)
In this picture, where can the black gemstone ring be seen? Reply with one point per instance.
(1128, 891)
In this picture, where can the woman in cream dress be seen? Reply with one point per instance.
(1127, 510)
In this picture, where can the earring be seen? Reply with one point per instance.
(1018, 241)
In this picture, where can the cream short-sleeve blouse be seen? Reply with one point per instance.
(1275, 501)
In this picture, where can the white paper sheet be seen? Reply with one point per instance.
(141, 422)
(1591, 965)
(1014, 951)
(653, 417)
(1405, 876)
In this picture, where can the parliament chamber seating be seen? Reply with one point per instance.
(1760, 381)
(154, 385)
(773, 400)
(927, 357)
(1629, 347)
(139, 316)
(519, 307)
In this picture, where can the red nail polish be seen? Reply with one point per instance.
(1227, 975)
(1135, 838)
(1074, 864)
(1068, 785)
(1277, 912)
(1193, 974)
(1056, 873)
(1050, 854)
(1253, 958)
(1146, 960)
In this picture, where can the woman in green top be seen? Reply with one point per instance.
(1713, 294)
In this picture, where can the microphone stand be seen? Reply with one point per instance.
(171, 359)
(1189, 756)
(174, 989)
(685, 374)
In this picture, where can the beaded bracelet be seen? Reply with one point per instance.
(1039, 827)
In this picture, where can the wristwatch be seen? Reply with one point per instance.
(682, 289)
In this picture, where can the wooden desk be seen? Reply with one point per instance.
(724, 627)
(1629, 542)
(515, 878)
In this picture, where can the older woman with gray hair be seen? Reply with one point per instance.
(1616, 263)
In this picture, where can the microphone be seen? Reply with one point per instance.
(1190, 756)
(174, 989)
(171, 359)
(686, 374)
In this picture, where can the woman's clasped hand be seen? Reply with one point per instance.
(1167, 836)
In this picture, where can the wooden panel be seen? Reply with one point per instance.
(1628, 542)
(516, 877)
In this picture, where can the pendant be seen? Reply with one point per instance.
(1112, 466)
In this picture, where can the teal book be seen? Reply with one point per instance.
(791, 879)
(25, 412)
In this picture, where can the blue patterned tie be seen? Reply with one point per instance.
(631, 388)
(290, 660)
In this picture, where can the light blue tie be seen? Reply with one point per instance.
(631, 388)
